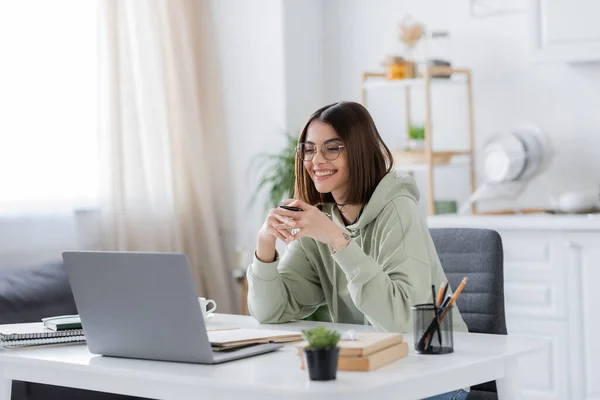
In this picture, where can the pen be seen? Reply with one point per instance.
(435, 310)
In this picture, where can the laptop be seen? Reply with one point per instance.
(143, 305)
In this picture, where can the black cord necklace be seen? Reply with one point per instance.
(341, 207)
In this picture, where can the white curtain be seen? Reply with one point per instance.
(164, 179)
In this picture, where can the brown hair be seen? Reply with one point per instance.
(369, 159)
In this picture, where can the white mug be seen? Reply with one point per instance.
(204, 306)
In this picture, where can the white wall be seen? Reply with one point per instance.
(508, 88)
(304, 60)
(250, 42)
(272, 72)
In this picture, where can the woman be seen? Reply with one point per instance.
(358, 245)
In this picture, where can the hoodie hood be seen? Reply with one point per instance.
(388, 189)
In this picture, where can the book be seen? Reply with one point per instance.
(42, 342)
(62, 322)
(238, 337)
(365, 343)
(36, 334)
(372, 361)
(34, 331)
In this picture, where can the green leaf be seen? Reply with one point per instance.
(276, 175)
(321, 338)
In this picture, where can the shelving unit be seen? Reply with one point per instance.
(427, 159)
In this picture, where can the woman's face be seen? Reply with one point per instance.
(328, 167)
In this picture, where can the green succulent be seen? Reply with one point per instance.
(321, 338)
(276, 174)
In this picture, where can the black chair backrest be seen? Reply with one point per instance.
(478, 254)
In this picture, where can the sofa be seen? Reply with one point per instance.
(27, 295)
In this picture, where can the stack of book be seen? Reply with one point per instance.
(36, 334)
(367, 351)
(225, 339)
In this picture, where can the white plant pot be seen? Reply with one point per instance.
(414, 144)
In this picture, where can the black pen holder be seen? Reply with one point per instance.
(432, 335)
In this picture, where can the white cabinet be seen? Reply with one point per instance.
(550, 289)
(535, 296)
(583, 256)
(551, 282)
(566, 30)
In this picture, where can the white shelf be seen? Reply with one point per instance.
(373, 83)
(456, 162)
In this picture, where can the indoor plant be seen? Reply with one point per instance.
(416, 137)
(321, 353)
(276, 174)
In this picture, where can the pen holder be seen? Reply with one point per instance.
(429, 337)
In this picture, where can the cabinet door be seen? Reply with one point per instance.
(543, 374)
(535, 299)
(583, 257)
(566, 30)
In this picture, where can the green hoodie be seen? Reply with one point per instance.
(388, 267)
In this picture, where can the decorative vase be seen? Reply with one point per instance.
(322, 364)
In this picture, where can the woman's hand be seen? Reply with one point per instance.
(276, 226)
(313, 223)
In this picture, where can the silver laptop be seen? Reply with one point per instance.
(143, 305)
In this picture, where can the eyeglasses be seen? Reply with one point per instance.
(330, 151)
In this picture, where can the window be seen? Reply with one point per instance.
(48, 105)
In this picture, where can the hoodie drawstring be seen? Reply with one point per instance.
(334, 313)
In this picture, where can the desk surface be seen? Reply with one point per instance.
(477, 358)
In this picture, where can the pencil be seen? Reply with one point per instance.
(458, 290)
(440, 295)
(456, 294)
(444, 294)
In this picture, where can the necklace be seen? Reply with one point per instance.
(341, 207)
(346, 222)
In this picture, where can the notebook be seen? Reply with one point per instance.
(229, 338)
(62, 322)
(372, 361)
(368, 351)
(35, 333)
(366, 343)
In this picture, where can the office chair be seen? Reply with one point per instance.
(478, 254)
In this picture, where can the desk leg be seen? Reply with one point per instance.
(5, 388)
(509, 387)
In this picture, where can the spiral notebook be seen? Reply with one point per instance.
(35, 333)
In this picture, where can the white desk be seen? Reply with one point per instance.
(477, 358)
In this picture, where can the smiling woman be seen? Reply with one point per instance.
(358, 244)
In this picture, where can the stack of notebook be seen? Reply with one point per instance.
(35, 334)
(231, 338)
(368, 351)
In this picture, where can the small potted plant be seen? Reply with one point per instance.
(416, 137)
(321, 353)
